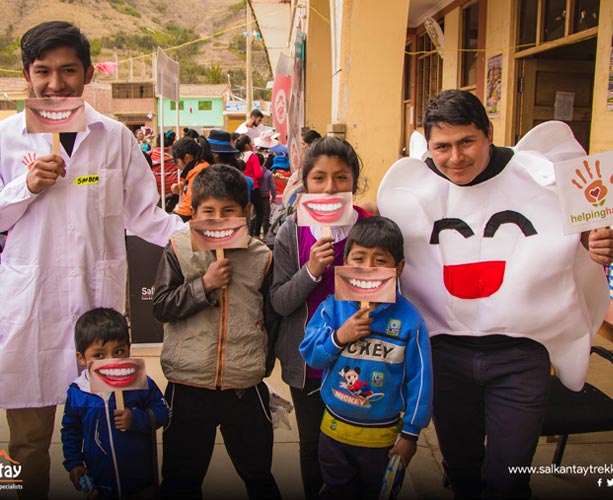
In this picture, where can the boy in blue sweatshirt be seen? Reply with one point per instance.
(113, 447)
(377, 366)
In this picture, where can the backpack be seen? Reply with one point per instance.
(276, 222)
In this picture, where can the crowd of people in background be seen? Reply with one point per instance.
(254, 149)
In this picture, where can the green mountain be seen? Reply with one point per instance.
(208, 34)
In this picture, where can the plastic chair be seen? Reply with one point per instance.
(569, 412)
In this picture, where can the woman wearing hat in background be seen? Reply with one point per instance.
(170, 169)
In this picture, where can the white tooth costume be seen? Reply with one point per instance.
(538, 284)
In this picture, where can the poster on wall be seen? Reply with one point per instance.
(296, 104)
(610, 93)
(281, 92)
(494, 86)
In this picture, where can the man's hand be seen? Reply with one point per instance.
(217, 275)
(321, 256)
(599, 243)
(123, 419)
(75, 475)
(406, 448)
(356, 326)
(44, 173)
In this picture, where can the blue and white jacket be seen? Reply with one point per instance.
(89, 437)
(369, 382)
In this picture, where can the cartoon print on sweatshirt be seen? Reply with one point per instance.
(355, 391)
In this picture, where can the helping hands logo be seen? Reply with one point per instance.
(594, 190)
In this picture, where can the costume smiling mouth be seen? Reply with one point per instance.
(118, 374)
(327, 210)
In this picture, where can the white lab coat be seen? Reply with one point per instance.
(65, 252)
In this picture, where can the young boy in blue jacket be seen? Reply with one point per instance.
(376, 365)
(113, 447)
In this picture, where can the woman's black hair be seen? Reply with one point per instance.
(310, 136)
(199, 148)
(333, 147)
(241, 142)
(100, 324)
(226, 159)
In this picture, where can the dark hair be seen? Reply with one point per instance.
(333, 147)
(376, 231)
(309, 136)
(51, 35)
(456, 107)
(199, 148)
(100, 324)
(241, 142)
(190, 132)
(221, 182)
(256, 113)
(226, 159)
(169, 138)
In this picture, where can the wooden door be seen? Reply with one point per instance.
(539, 81)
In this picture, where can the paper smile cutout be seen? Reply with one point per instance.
(213, 234)
(325, 209)
(365, 284)
(54, 115)
(476, 280)
(117, 374)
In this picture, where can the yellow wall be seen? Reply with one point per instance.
(318, 68)
(451, 46)
(601, 138)
(370, 98)
(499, 40)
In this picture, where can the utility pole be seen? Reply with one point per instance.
(248, 80)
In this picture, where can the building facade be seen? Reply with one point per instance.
(370, 68)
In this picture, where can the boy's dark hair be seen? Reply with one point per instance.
(256, 113)
(221, 182)
(333, 147)
(51, 35)
(456, 107)
(377, 231)
(100, 324)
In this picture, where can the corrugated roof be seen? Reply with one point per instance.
(203, 90)
(10, 84)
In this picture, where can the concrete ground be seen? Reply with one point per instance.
(424, 478)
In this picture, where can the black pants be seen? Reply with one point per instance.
(351, 471)
(244, 420)
(309, 413)
(501, 393)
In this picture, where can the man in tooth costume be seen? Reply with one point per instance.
(489, 268)
(65, 251)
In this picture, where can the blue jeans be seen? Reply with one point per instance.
(496, 391)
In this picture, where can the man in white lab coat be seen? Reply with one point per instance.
(65, 251)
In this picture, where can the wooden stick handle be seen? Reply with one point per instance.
(55, 143)
(326, 231)
(219, 253)
(119, 400)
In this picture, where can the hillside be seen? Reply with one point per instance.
(126, 29)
